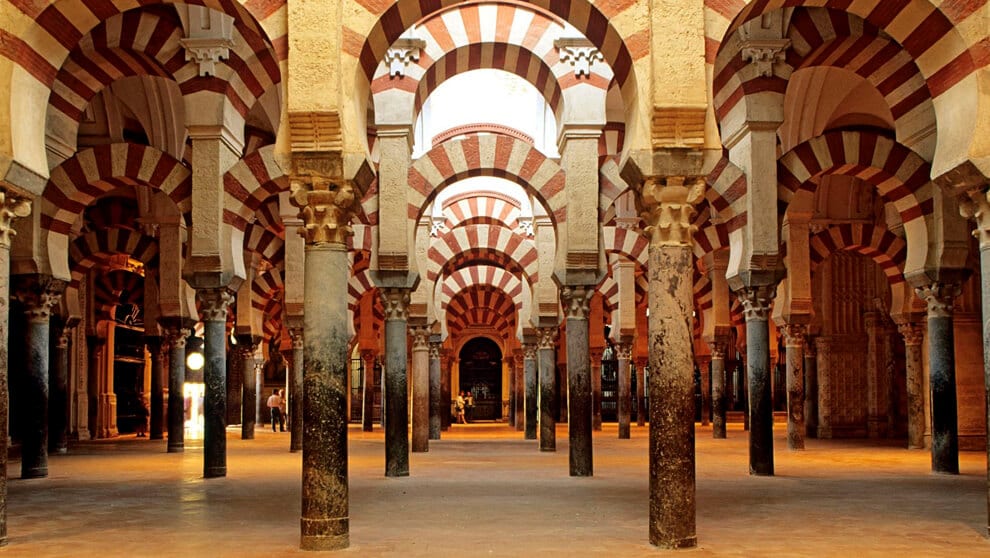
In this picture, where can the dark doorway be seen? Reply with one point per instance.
(481, 374)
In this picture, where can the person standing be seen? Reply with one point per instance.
(459, 408)
(141, 427)
(275, 408)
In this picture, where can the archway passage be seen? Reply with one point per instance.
(481, 375)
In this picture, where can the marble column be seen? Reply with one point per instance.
(579, 422)
(395, 396)
(420, 388)
(706, 388)
(823, 403)
(507, 362)
(156, 431)
(368, 413)
(520, 390)
(445, 389)
(810, 388)
(175, 340)
(914, 370)
(641, 391)
(756, 307)
(794, 341)
(297, 397)
(10, 208)
(546, 362)
(623, 352)
(326, 211)
(249, 391)
(215, 303)
(670, 211)
(436, 403)
(531, 390)
(942, 375)
(596, 388)
(719, 402)
(58, 389)
(39, 294)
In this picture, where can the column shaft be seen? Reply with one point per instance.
(249, 393)
(421, 389)
(756, 301)
(436, 403)
(368, 408)
(176, 386)
(596, 390)
(547, 359)
(297, 395)
(942, 370)
(579, 421)
(914, 372)
(396, 391)
(641, 391)
(624, 353)
(157, 395)
(520, 392)
(215, 304)
(325, 522)
(706, 389)
(532, 391)
(794, 343)
(810, 388)
(718, 390)
(58, 386)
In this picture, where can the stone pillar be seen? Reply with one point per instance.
(579, 422)
(156, 430)
(641, 391)
(249, 391)
(669, 202)
(10, 207)
(395, 395)
(702, 362)
(810, 388)
(623, 352)
(215, 303)
(756, 307)
(719, 393)
(326, 209)
(58, 389)
(297, 395)
(420, 388)
(39, 294)
(175, 340)
(520, 390)
(436, 403)
(596, 388)
(507, 364)
(915, 380)
(368, 408)
(942, 374)
(548, 378)
(445, 389)
(794, 341)
(531, 390)
(824, 377)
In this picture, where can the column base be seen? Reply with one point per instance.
(215, 472)
(324, 534)
(548, 449)
(176, 448)
(687, 542)
(34, 473)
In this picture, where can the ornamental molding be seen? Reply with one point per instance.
(402, 53)
(579, 53)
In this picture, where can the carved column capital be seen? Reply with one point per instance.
(718, 347)
(756, 301)
(420, 337)
(396, 303)
(976, 206)
(529, 351)
(765, 54)
(546, 337)
(794, 334)
(435, 350)
(175, 337)
(11, 207)
(39, 294)
(667, 205)
(296, 334)
(327, 206)
(938, 296)
(623, 351)
(575, 300)
(580, 53)
(215, 303)
(912, 333)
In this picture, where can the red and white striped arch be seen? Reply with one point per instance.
(94, 248)
(482, 207)
(632, 244)
(485, 243)
(709, 235)
(887, 250)
(487, 155)
(249, 184)
(481, 306)
(482, 275)
(265, 287)
(726, 194)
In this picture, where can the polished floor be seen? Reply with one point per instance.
(483, 491)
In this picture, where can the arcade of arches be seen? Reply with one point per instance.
(788, 197)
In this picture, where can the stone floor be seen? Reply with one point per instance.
(483, 491)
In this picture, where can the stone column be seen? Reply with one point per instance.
(326, 209)
(297, 396)
(10, 208)
(156, 430)
(641, 391)
(596, 388)
(520, 391)
(670, 210)
(719, 394)
(215, 303)
(395, 396)
(794, 341)
(420, 388)
(546, 361)
(58, 388)
(810, 388)
(579, 422)
(445, 389)
(756, 307)
(39, 294)
(249, 391)
(531, 388)
(507, 364)
(623, 352)
(175, 339)
(823, 402)
(368, 414)
(915, 380)
(702, 362)
(942, 374)
(436, 403)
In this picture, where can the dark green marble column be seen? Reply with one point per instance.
(942, 375)
(579, 404)
(213, 313)
(756, 307)
(547, 359)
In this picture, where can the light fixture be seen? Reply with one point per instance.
(194, 353)
(195, 361)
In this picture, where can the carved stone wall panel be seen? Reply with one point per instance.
(842, 397)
